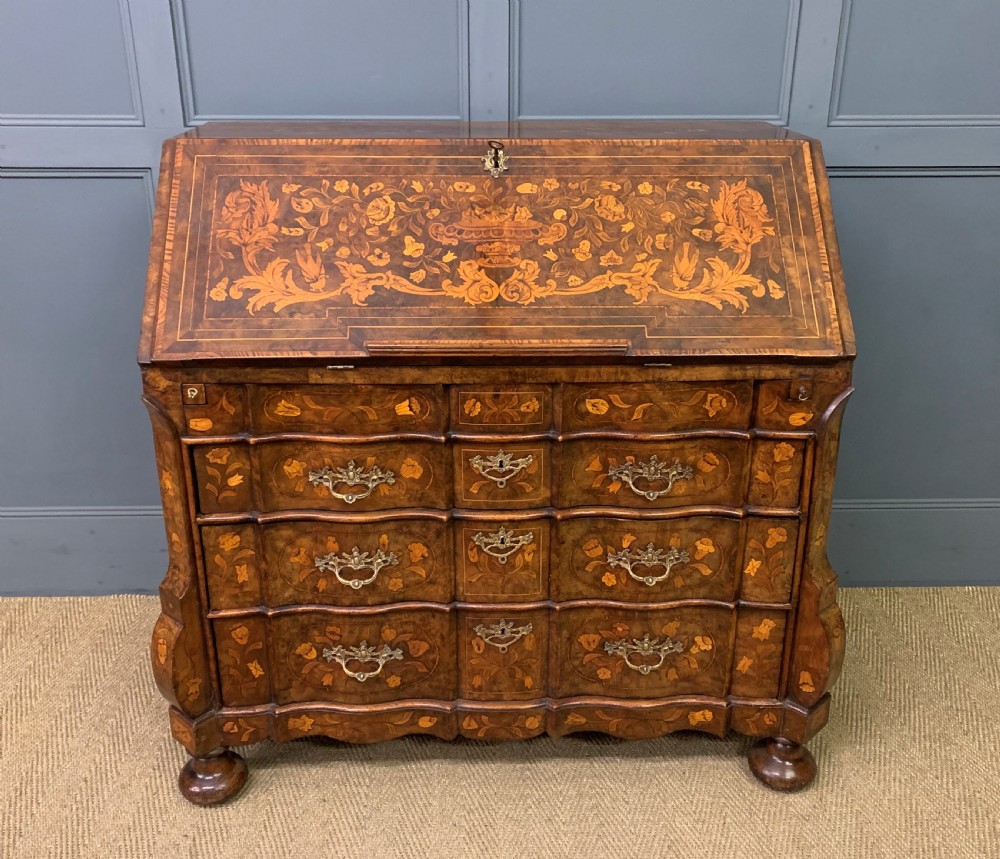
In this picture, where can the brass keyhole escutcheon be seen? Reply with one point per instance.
(495, 159)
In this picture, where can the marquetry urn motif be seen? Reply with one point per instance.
(538, 443)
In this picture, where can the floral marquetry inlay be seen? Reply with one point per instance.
(703, 240)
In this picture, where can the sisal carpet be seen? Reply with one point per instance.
(909, 765)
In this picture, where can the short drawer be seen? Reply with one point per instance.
(652, 474)
(502, 475)
(364, 659)
(661, 407)
(503, 655)
(348, 409)
(642, 654)
(502, 560)
(647, 561)
(501, 409)
(361, 564)
(329, 476)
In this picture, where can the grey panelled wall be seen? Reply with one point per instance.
(904, 96)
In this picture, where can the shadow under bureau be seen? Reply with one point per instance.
(465, 431)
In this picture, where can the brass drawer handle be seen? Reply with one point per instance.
(356, 560)
(502, 544)
(643, 647)
(352, 475)
(648, 557)
(364, 654)
(653, 470)
(500, 467)
(502, 634)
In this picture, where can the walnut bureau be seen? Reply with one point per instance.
(495, 432)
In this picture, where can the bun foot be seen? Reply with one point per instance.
(213, 778)
(782, 764)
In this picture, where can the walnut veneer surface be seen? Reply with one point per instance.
(448, 453)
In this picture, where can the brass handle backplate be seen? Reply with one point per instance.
(356, 560)
(502, 634)
(352, 475)
(652, 471)
(500, 467)
(643, 647)
(502, 544)
(648, 557)
(363, 654)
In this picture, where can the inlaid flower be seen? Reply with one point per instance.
(218, 455)
(381, 210)
(582, 251)
(220, 290)
(597, 406)
(620, 628)
(463, 187)
(701, 642)
(610, 208)
(411, 469)
(799, 419)
(412, 248)
(407, 407)
(644, 188)
(775, 536)
(573, 280)
(699, 716)
(715, 403)
(707, 462)
(527, 188)
(593, 548)
(531, 722)
(550, 184)
(559, 214)
(229, 541)
(341, 186)
(611, 258)
(395, 584)
(589, 641)
(753, 565)
(762, 631)
(293, 468)
(300, 723)
(531, 406)
(522, 213)
(783, 452)
(744, 665)
(609, 579)
(418, 275)
(240, 634)
(392, 681)
(703, 547)
(604, 673)
(373, 188)
(378, 257)
(255, 669)
(472, 407)
(417, 552)
(287, 409)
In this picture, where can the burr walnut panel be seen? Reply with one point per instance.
(502, 560)
(667, 407)
(349, 477)
(232, 566)
(348, 409)
(628, 653)
(502, 475)
(503, 655)
(357, 564)
(501, 408)
(364, 659)
(647, 561)
(653, 474)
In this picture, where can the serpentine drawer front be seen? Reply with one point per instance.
(493, 434)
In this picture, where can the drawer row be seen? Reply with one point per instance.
(301, 475)
(373, 409)
(507, 655)
(499, 561)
